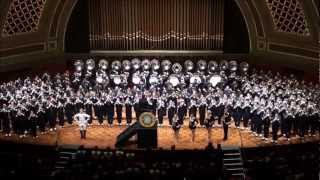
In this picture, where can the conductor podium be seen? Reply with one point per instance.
(145, 129)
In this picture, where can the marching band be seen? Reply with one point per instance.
(258, 101)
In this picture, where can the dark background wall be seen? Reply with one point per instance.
(77, 34)
(236, 39)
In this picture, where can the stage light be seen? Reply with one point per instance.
(155, 64)
(78, 64)
(90, 64)
(166, 65)
(146, 65)
(176, 68)
(213, 66)
(189, 65)
(202, 65)
(224, 65)
(214, 80)
(126, 65)
(136, 63)
(116, 65)
(244, 66)
(233, 66)
(103, 64)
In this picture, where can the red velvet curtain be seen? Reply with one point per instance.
(156, 24)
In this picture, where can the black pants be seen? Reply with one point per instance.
(161, 114)
(266, 126)
(202, 114)
(119, 113)
(129, 113)
(171, 113)
(180, 115)
(275, 129)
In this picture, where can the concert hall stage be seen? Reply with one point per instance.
(105, 136)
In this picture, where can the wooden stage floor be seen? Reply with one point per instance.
(105, 136)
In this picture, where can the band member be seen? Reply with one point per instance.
(82, 119)
(88, 107)
(69, 110)
(136, 107)
(60, 114)
(266, 123)
(41, 119)
(33, 124)
(193, 107)
(245, 113)
(176, 127)
(275, 124)
(171, 110)
(236, 113)
(109, 105)
(161, 108)
(98, 110)
(209, 121)
(202, 109)
(193, 125)
(118, 105)
(128, 104)
(181, 109)
(20, 123)
(226, 120)
(52, 115)
(5, 120)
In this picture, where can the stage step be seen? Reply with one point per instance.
(65, 155)
(232, 162)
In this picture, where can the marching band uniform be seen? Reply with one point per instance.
(82, 119)
(88, 107)
(69, 110)
(161, 108)
(109, 105)
(60, 114)
(226, 120)
(41, 119)
(33, 121)
(5, 120)
(193, 125)
(193, 107)
(128, 105)
(275, 124)
(181, 110)
(266, 123)
(176, 126)
(237, 113)
(118, 105)
(171, 110)
(202, 110)
(98, 110)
